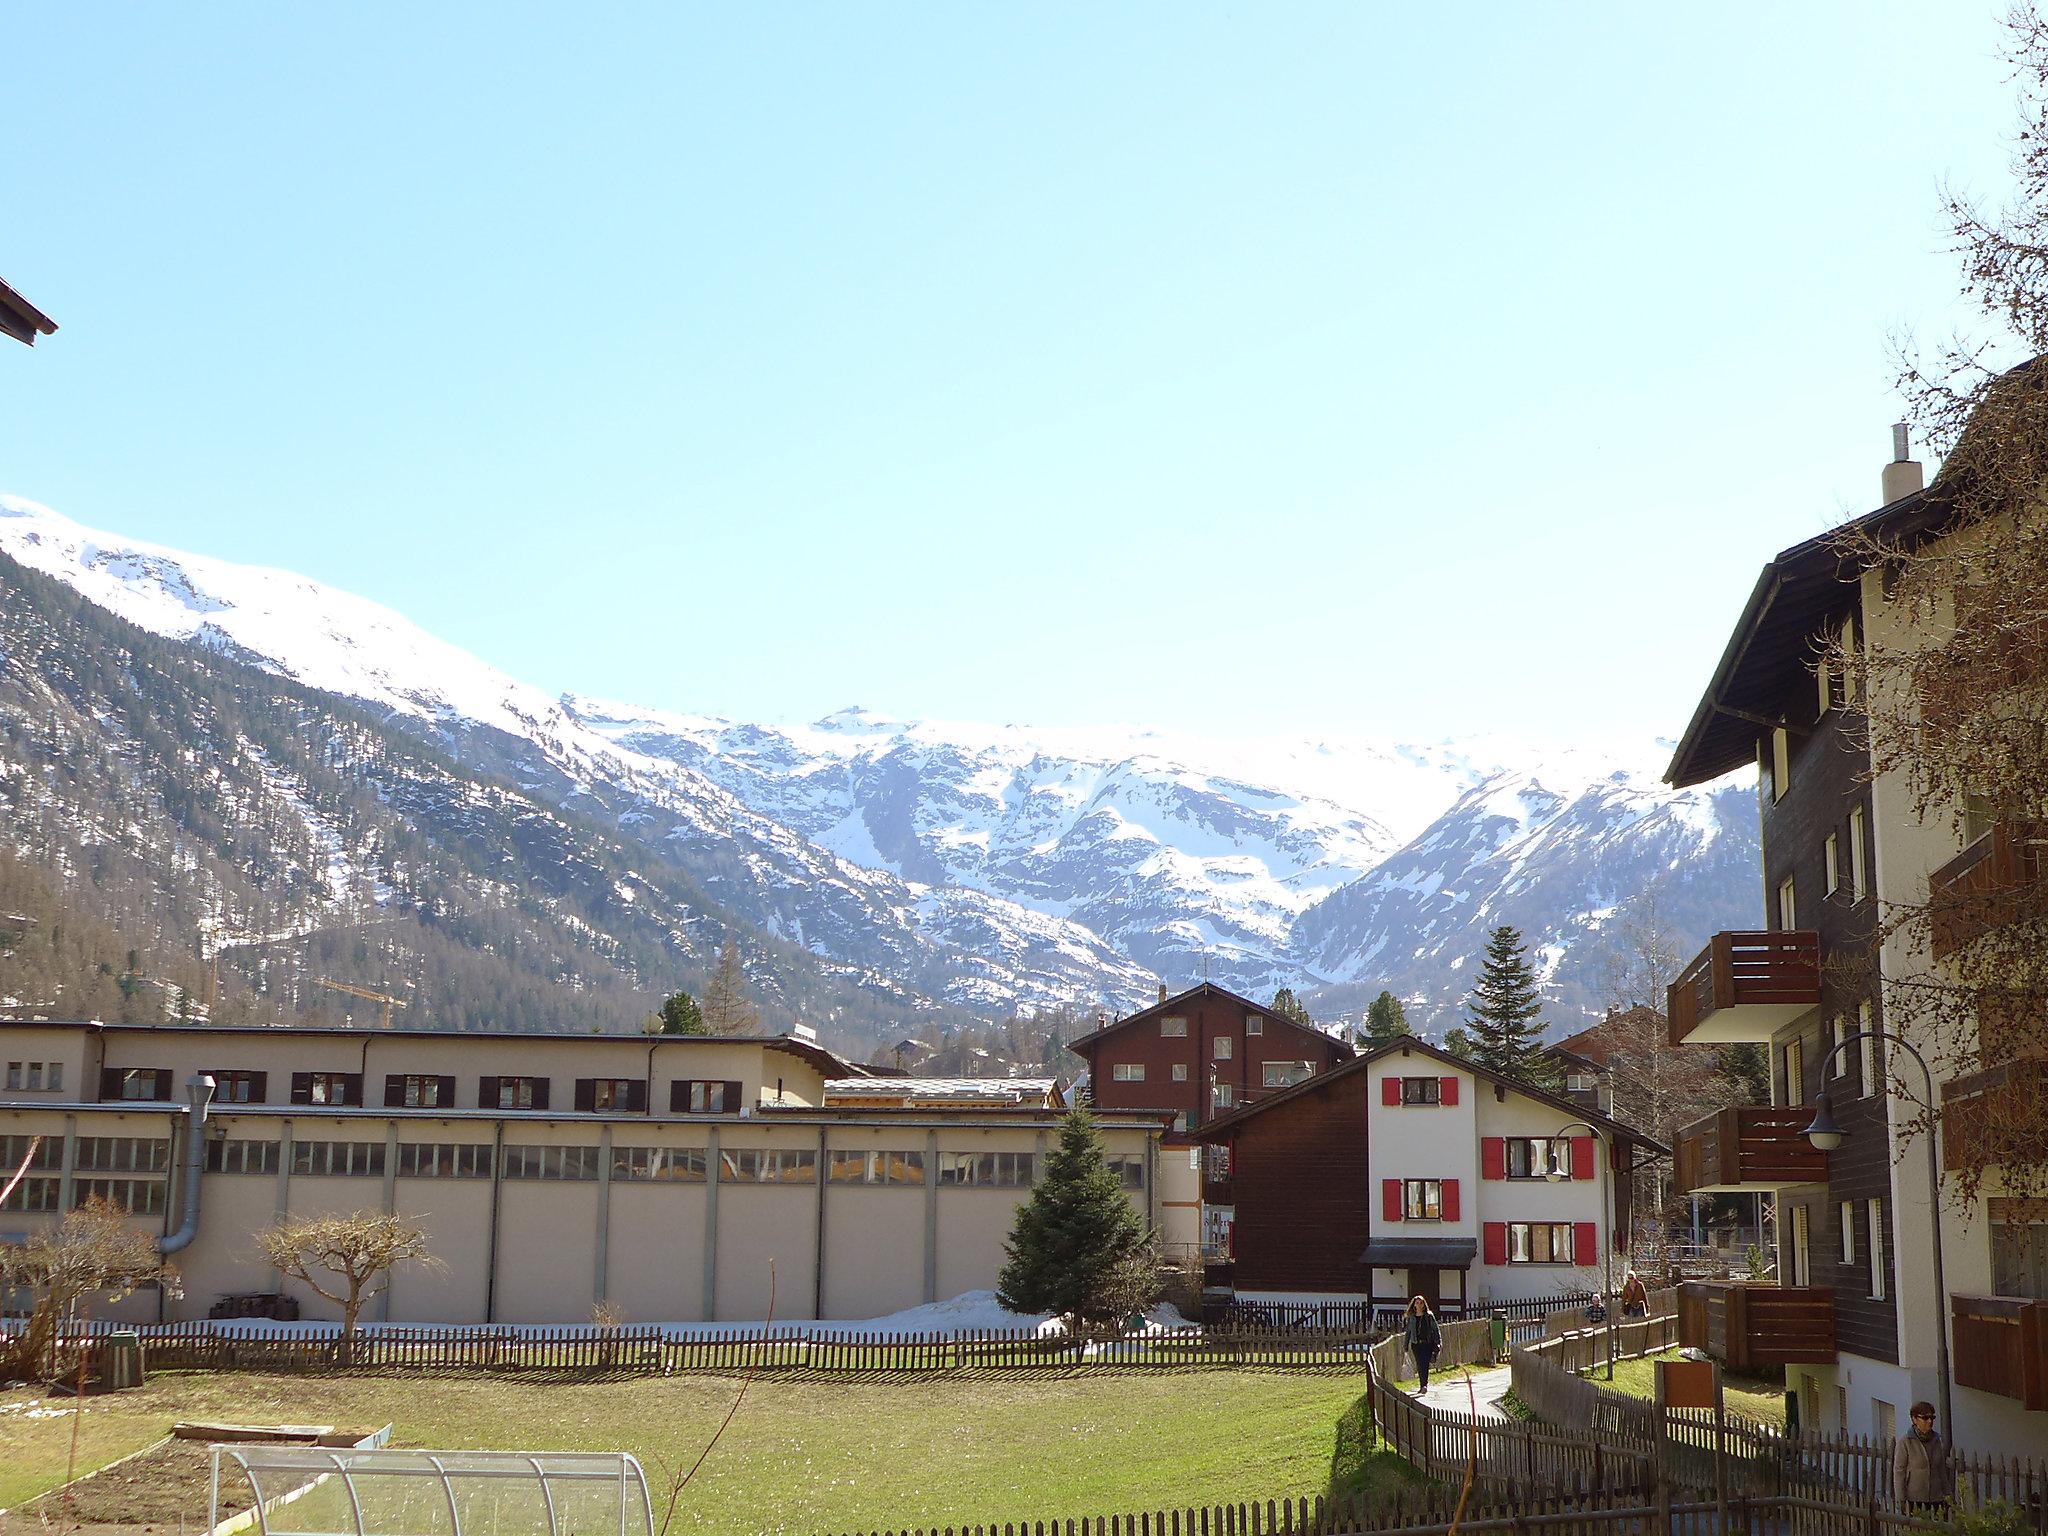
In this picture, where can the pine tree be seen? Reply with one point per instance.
(1287, 1006)
(1078, 1248)
(1385, 1021)
(1458, 1043)
(728, 1004)
(1506, 1037)
(680, 1015)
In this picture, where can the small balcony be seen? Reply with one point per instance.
(2001, 1346)
(1748, 1325)
(1749, 1146)
(1996, 1118)
(1745, 987)
(1984, 887)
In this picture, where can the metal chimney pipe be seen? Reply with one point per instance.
(200, 1087)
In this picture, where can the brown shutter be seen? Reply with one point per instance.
(163, 1082)
(259, 1087)
(679, 1096)
(487, 1093)
(302, 1087)
(394, 1091)
(540, 1092)
(732, 1098)
(636, 1098)
(586, 1095)
(446, 1097)
(110, 1082)
(352, 1089)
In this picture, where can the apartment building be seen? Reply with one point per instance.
(1408, 1171)
(1854, 1315)
(661, 1174)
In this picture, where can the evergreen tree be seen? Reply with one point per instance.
(1458, 1043)
(1079, 1248)
(1287, 1006)
(680, 1015)
(1386, 1020)
(728, 1005)
(1506, 1037)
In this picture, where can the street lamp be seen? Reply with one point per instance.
(1555, 1174)
(1826, 1135)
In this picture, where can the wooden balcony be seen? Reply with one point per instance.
(1745, 986)
(2001, 1346)
(1996, 1118)
(1749, 1146)
(1748, 1325)
(1986, 886)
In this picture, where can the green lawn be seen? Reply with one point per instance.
(1749, 1396)
(800, 1456)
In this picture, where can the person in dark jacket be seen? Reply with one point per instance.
(1635, 1296)
(1922, 1478)
(1424, 1338)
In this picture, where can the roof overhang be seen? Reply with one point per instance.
(1420, 1252)
(21, 319)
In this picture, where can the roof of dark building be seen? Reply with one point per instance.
(21, 319)
(1082, 1044)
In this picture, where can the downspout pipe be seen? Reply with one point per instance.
(201, 1090)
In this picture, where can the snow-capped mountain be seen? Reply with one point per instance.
(995, 867)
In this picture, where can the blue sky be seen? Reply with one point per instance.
(1421, 370)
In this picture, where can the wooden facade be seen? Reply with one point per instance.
(2001, 1346)
(1749, 1146)
(1304, 1192)
(1750, 1326)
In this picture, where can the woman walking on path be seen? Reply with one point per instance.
(1424, 1338)
(1635, 1296)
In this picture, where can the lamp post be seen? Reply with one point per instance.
(1604, 1226)
(1826, 1136)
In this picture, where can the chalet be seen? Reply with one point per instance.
(1408, 1171)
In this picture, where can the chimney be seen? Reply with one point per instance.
(1162, 990)
(1903, 476)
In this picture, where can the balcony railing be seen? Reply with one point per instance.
(1749, 1146)
(1984, 887)
(1747, 1325)
(2001, 1346)
(1745, 986)
(1996, 1118)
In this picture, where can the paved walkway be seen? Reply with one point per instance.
(1480, 1392)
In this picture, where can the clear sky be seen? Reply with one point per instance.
(1252, 368)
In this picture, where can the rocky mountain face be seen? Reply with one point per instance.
(923, 868)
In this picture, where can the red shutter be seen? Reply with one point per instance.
(1496, 1248)
(1585, 1244)
(1447, 1090)
(1390, 1090)
(1493, 1157)
(1390, 1199)
(1450, 1199)
(1582, 1157)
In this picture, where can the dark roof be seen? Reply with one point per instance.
(21, 319)
(1578, 1111)
(1772, 647)
(1404, 1252)
(1083, 1044)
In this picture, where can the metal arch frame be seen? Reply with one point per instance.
(1605, 1159)
(547, 1496)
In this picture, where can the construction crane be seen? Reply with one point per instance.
(353, 990)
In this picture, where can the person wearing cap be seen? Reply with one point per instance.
(1921, 1475)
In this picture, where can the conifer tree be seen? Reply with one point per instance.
(1078, 1248)
(1458, 1043)
(1287, 1006)
(728, 1004)
(680, 1015)
(1506, 1036)
(1386, 1020)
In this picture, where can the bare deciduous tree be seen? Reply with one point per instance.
(93, 1252)
(358, 1250)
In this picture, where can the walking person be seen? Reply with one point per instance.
(1635, 1296)
(1922, 1478)
(1424, 1338)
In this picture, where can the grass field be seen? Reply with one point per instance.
(1748, 1396)
(800, 1456)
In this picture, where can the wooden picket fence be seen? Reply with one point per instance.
(646, 1350)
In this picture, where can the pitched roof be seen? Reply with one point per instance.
(1081, 1045)
(1413, 1043)
(21, 319)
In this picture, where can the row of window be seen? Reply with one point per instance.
(1272, 1074)
(1792, 1084)
(420, 1090)
(143, 1197)
(1174, 1026)
(1418, 1090)
(35, 1077)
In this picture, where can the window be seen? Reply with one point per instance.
(610, 1093)
(768, 1165)
(1884, 1421)
(326, 1088)
(138, 1197)
(512, 1093)
(123, 1154)
(1848, 1231)
(1422, 1200)
(1849, 675)
(1180, 1071)
(1221, 1048)
(242, 1157)
(1877, 1277)
(1180, 1122)
(37, 1194)
(1129, 1168)
(1421, 1090)
(1529, 1157)
(1216, 1163)
(1285, 1074)
(1978, 818)
(1173, 1027)
(14, 1077)
(1788, 908)
(140, 1083)
(1223, 1095)
(1781, 763)
(14, 1150)
(659, 1165)
(1824, 675)
(2019, 1248)
(1795, 1072)
(239, 1087)
(1254, 1024)
(1802, 1245)
(987, 1170)
(339, 1159)
(1858, 876)
(1580, 1082)
(55, 1081)
(1127, 1072)
(875, 1168)
(419, 1092)
(576, 1164)
(1539, 1242)
(1832, 1033)
(708, 1096)
(35, 1076)
(1872, 1075)
(444, 1160)
(1833, 850)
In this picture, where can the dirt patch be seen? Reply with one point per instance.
(162, 1490)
